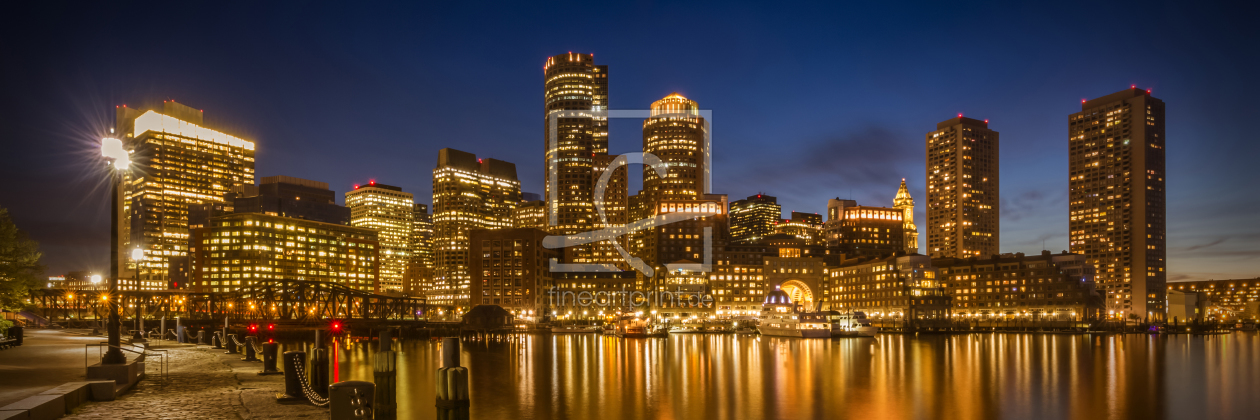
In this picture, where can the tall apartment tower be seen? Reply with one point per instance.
(387, 209)
(675, 133)
(1117, 198)
(419, 274)
(754, 217)
(422, 234)
(962, 189)
(905, 203)
(177, 163)
(569, 93)
(468, 193)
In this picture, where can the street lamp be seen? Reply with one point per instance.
(112, 149)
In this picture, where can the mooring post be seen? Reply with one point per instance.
(452, 382)
(179, 331)
(293, 363)
(249, 349)
(230, 343)
(319, 365)
(385, 372)
(351, 400)
(270, 352)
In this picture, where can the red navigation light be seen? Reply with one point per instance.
(1148, 91)
(356, 186)
(371, 182)
(1082, 101)
(986, 121)
(336, 326)
(253, 328)
(271, 327)
(271, 340)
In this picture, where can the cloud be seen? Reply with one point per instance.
(1016, 207)
(1207, 245)
(872, 155)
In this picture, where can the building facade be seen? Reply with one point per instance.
(866, 231)
(1040, 287)
(290, 197)
(962, 189)
(807, 226)
(1117, 202)
(468, 193)
(754, 217)
(389, 211)
(896, 287)
(176, 162)
(247, 249)
(1233, 295)
(509, 268)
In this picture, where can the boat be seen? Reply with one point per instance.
(1246, 325)
(780, 317)
(686, 329)
(851, 324)
(575, 329)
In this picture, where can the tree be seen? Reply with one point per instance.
(20, 269)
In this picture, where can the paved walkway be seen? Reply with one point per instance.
(45, 360)
(202, 383)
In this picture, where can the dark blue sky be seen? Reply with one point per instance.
(810, 102)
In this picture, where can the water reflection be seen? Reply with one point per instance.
(585, 376)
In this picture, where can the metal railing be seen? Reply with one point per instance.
(142, 353)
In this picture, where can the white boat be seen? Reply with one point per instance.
(850, 324)
(780, 317)
(575, 329)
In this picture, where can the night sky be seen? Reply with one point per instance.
(810, 102)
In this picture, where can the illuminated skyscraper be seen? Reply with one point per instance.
(468, 193)
(904, 203)
(962, 189)
(1117, 199)
(754, 217)
(387, 209)
(419, 274)
(576, 91)
(569, 89)
(675, 133)
(177, 162)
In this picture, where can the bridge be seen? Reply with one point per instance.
(282, 300)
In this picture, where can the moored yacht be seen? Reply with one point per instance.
(780, 317)
(850, 324)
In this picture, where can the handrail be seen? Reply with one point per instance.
(163, 364)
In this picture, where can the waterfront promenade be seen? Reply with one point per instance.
(202, 383)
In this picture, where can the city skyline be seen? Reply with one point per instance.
(1034, 194)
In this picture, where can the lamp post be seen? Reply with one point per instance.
(112, 149)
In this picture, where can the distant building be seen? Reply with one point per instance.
(807, 226)
(509, 268)
(606, 292)
(1233, 295)
(962, 189)
(389, 211)
(419, 274)
(468, 193)
(894, 287)
(527, 197)
(738, 281)
(177, 163)
(290, 197)
(754, 218)
(530, 214)
(1188, 306)
(1045, 286)
(905, 203)
(246, 249)
(866, 231)
(1117, 201)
